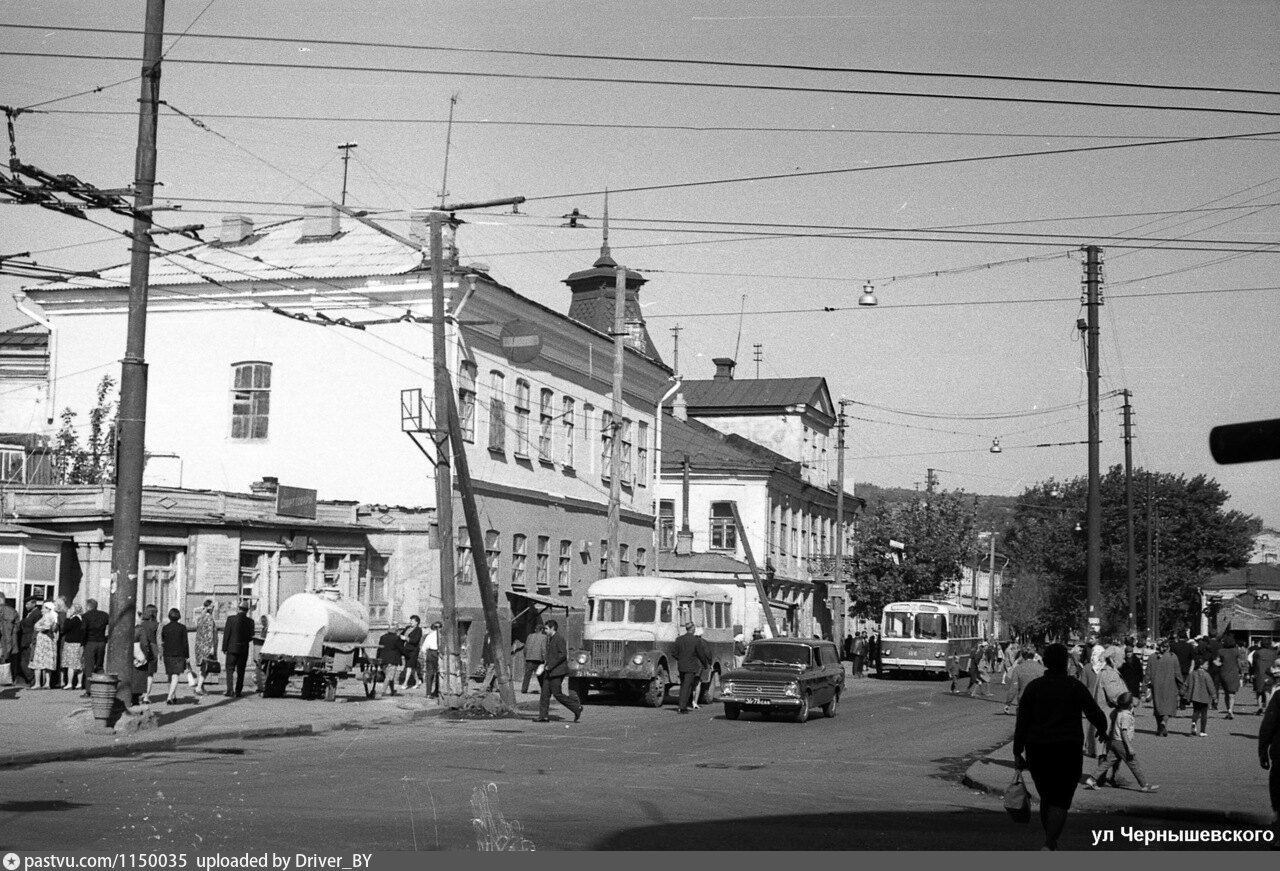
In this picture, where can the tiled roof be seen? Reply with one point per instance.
(273, 253)
(1261, 576)
(757, 393)
(722, 563)
(710, 449)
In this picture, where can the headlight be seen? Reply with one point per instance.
(792, 689)
(582, 658)
(886, 652)
(638, 659)
(727, 687)
(939, 655)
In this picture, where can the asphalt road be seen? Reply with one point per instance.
(883, 774)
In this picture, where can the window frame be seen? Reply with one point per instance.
(542, 570)
(497, 411)
(722, 531)
(564, 572)
(568, 424)
(546, 419)
(253, 420)
(467, 372)
(523, 410)
(519, 560)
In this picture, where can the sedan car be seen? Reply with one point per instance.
(785, 675)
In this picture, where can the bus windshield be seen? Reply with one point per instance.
(931, 626)
(768, 651)
(897, 625)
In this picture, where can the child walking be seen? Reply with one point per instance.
(1120, 748)
(1202, 692)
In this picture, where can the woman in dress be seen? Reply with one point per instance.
(1166, 687)
(177, 650)
(144, 658)
(72, 649)
(44, 657)
(1229, 672)
(206, 642)
(151, 625)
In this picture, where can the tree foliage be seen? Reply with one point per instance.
(936, 532)
(1197, 538)
(94, 461)
(1023, 605)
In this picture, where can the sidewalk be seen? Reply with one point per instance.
(1207, 779)
(45, 725)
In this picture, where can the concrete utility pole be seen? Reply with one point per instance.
(131, 423)
(615, 443)
(991, 590)
(1128, 516)
(1093, 562)
(345, 148)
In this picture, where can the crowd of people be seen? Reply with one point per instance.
(1106, 683)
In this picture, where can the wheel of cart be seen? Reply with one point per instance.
(276, 679)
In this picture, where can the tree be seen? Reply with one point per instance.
(936, 533)
(1198, 539)
(94, 463)
(1022, 604)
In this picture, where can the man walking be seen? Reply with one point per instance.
(1269, 753)
(237, 635)
(692, 656)
(553, 670)
(93, 655)
(535, 653)
(859, 653)
(1184, 651)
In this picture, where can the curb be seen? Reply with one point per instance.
(174, 742)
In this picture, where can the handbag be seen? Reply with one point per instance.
(212, 666)
(1017, 801)
(139, 658)
(6, 675)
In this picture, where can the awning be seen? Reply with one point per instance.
(550, 601)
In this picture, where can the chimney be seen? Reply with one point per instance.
(684, 542)
(724, 368)
(235, 228)
(680, 407)
(266, 487)
(320, 219)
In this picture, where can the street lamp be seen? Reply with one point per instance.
(868, 297)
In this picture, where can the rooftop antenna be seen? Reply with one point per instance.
(345, 148)
(758, 353)
(741, 314)
(604, 244)
(675, 335)
(448, 141)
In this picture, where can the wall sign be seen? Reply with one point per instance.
(296, 502)
(521, 342)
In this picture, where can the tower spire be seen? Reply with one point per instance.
(605, 258)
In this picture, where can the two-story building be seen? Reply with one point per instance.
(762, 444)
(302, 352)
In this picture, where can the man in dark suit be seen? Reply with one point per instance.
(237, 635)
(692, 656)
(94, 653)
(1185, 651)
(27, 639)
(553, 670)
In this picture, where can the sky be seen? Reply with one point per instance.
(759, 200)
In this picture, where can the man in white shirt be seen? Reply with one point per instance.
(431, 660)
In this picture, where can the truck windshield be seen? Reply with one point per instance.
(644, 611)
(611, 610)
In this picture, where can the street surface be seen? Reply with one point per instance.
(883, 774)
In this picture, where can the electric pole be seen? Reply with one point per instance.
(837, 576)
(1128, 516)
(345, 148)
(991, 591)
(675, 354)
(1093, 563)
(131, 423)
(612, 567)
(757, 351)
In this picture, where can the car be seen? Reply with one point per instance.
(785, 675)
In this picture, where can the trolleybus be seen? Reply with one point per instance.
(920, 636)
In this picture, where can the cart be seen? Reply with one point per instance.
(319, 637)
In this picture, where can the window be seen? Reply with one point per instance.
(606, 443)
(9, 557)
(522, 417)
(251, 565)
(604, 557)
(642, 454)
(544, 562)
(250, 400)
(624, 559)
(667, 524)
(644, 611)
(497, 412)
(519, 554)
(12, 466)
(588, 411)
(624, 461)
(724, 532)
(566, 563)
(666, 611)
(467, 400)
(465, 570)
(611, 610)
(566, 420)
(641, 563)
(544, 426)
(931, 626)
(897, 625)
(492, 552)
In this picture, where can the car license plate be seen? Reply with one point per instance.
(757, 701)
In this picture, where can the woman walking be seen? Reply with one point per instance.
(206, 643)
(1263, 658)
(151, 625)
(979, 669)
(1229, 672)
(1166, 687)
(177, 652)
(72, 649)
(1201, 694)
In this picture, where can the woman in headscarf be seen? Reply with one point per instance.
(1229, 671)
(72, 648)
(44, 656)
(1097, 661)
(1166, 686)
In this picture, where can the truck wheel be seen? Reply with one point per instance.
(331, 689)
(276, 679)
(579, 687)
(711, 692)
(656, 694)
(829, 709)
(731, 711)
(802, 714)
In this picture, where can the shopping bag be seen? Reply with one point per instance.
(6, 675)
(1017, 801)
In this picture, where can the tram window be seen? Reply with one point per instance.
(666, 611)
(611, 610)
(643, 610)
(931, 626)
(686, 612)
(897, 625)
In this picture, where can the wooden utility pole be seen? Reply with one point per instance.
(126, 530)
(1128, 517)
(755, 571)
(837, 575)
(615, 424)
(1093, 559)
(991, 590)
